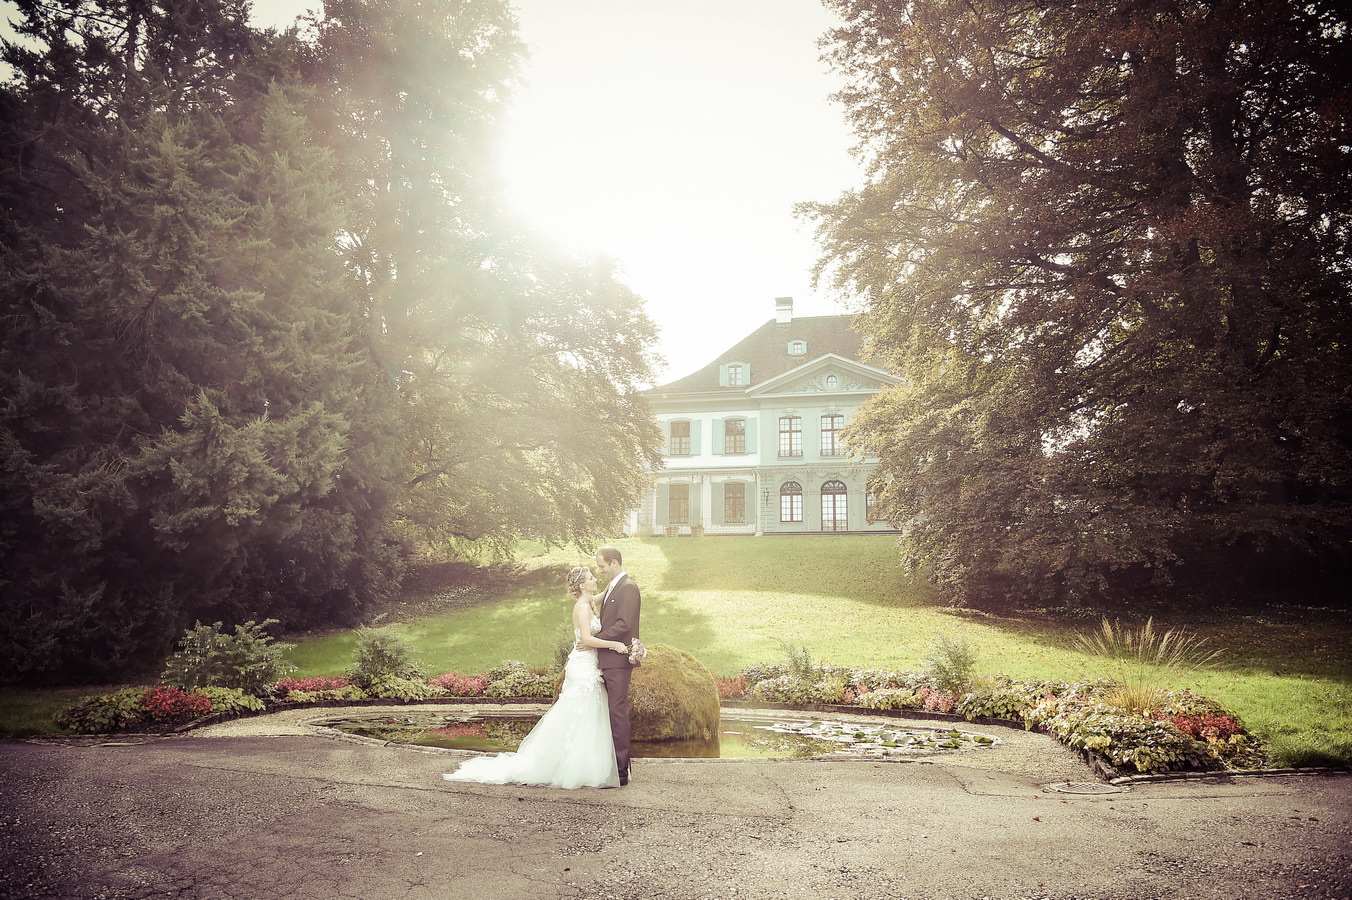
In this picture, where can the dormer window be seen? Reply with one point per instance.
(797, 348)
(734, 374)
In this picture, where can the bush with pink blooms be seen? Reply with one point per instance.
(458, 685)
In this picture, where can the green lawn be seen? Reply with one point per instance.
(733, 602)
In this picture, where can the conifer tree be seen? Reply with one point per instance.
(185, 384)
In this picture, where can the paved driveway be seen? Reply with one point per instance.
(296, 815)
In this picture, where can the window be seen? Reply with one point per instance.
(790, 436)
(736, 374)
(791, 502)
(871, 507)
(797, 348)
(734, 503)
(680, 439)
(834, 506)
(734, 436)
(831, 382)
(678, 505)
(832, 445)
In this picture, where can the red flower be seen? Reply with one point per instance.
(170, 705)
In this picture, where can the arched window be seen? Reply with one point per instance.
(791, 502)
(835, 506)
(831, 382)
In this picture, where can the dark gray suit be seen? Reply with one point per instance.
(619, 622)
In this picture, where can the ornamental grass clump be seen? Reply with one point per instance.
(1139, 657)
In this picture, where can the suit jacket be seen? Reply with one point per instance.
(619, 622)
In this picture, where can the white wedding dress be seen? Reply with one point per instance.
(570, 747)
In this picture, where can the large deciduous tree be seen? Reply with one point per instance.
(1106, 245)
(264, 321)
(517, 368)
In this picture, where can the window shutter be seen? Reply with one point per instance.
(723, 376)
(716, 514)
(663, 492)
(750, 435)
(719, 425)
(696, 509)
(694, 437)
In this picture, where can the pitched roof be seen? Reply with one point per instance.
(766, 353)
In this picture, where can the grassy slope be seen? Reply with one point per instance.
(733, 602)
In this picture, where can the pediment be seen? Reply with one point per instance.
(814, 377)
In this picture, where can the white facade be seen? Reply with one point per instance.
(764, 455)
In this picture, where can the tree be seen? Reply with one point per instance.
(517, 369)
(184, 378)
(1106, 245)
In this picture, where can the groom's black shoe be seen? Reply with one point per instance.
(624, 778)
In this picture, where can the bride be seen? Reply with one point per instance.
(570, 747)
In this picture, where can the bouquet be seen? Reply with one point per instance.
(637, 651)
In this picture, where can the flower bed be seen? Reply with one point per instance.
(1187, 733)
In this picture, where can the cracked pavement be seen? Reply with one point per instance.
(301, 815)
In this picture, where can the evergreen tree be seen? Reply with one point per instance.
(1107, 247)
(185, 384)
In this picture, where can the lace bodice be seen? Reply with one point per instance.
(595, 627)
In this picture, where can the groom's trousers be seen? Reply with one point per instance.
(617, 680)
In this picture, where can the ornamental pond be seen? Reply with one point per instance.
(742, 735)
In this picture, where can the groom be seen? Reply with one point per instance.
(619, 622)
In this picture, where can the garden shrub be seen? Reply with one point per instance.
(513, 679)
(104, 713)
(458, 685)
(383, 653)
(247, 660)
(346, 693)
(949, 664)
(393, 687)
(731, 688)
(169, 705)
(800, 664)
(314, 684)
(1127, 741)
(888, 698)
(232, 701)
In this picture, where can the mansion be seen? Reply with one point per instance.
(753, 439)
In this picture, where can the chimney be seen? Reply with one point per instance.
(783, 310)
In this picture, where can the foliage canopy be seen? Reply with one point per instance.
(265, 324)
(1106, 245)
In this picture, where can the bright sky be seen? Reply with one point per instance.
(674, 137)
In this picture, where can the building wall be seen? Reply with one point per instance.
(691, 494)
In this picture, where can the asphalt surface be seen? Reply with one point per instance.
(286, 812)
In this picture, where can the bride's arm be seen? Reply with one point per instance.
(582, 622)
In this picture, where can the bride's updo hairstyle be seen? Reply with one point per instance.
(576, 578)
